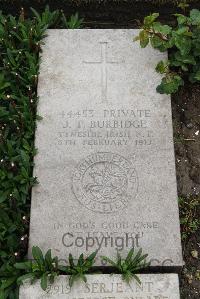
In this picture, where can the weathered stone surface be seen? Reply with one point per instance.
(153, 286)
(106, 158)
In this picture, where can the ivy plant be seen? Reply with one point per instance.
(183, 43)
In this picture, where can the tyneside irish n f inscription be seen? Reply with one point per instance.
(105, 160)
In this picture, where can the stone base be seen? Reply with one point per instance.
(105, 163)
(101, 286)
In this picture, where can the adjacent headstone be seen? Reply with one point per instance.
(153, 286)
(106, 159)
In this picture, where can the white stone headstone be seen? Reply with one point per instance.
(153, 286)
(105, 160)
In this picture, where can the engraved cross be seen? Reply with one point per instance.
(104, 71)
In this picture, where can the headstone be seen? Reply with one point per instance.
(153, 286)
(105, 160)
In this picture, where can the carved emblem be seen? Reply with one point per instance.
(105, 182)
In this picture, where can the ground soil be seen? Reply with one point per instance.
(104, 14)
(186, 122)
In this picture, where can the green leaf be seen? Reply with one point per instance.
(144, 38)
(37, 255)
(163, 29)
(129, 256)
(187, 59)
(197, 76)
(195, 16)
(92, 256)
(24, 266)
(4, 196)
(72, 279)
(3, 83)
(184, 44)
(136, 278)
(80, 260)
(162, 67)
(48, 258)
(137, 257)
(194, 77)
(170, 84)
(127, 276)
(11, 57)
(5, 283)
(160, 44)
(74, 22)
(71, 260)
(181, 19)
(183, 61)
(36, 14)
(44, 281)
(183, 31)
(148, 21)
